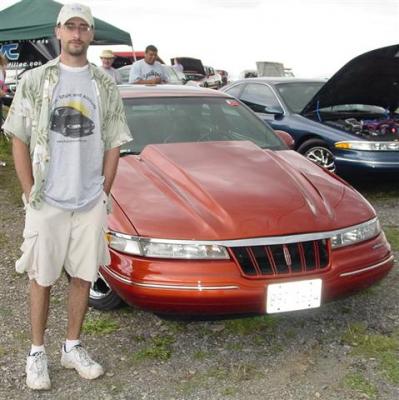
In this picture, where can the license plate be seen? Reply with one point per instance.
(292, 296)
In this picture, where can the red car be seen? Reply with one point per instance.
(213, 214)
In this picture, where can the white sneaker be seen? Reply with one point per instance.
(79, 359)
(36, 371)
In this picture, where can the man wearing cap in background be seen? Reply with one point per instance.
(67, 122)
(107, 59)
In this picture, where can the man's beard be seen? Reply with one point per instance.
(74, 50)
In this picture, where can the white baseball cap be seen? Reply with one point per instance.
(69, 11)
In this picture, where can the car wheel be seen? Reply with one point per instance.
(317, 151)
(102, 297)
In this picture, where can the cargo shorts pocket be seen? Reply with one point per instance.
(28, 261)
(103, 257)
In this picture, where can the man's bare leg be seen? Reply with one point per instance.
(77, 357)
(77, 306)
(39, 305)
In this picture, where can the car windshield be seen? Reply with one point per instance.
(297, 94)
(124, 73)
(193, 119)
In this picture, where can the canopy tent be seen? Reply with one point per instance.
(27, 28)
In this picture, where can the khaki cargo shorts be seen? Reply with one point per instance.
(56, 238)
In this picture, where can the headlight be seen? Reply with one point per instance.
(166, 249)
(368, 146)
(356, 234)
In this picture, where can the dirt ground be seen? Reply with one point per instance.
(348, 349)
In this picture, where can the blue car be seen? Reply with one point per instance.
(348, 124)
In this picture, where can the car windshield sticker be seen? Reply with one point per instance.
(232, 103)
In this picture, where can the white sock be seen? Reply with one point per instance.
(35, 349)
(69, 344)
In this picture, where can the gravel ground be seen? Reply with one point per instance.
(348, 349)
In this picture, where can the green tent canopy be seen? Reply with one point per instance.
(36, 19)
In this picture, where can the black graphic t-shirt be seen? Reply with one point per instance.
(75, 179)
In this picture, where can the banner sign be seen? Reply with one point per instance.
(27, 54)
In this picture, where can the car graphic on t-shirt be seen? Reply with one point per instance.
(70, 122)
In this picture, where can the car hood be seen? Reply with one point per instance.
(371, 78)
(231, 190)
(192, 65)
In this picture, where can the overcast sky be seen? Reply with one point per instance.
(313, 37)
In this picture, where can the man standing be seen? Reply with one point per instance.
(107, 58)
(67, 122)
(177, 65)
(148, 70)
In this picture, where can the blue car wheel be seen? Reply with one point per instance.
(317, 151)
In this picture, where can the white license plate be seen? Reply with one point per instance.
(291, 296)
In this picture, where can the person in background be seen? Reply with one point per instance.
(107, 58)
(177, 65)
(148, 70)
(67, 122)
(3, 87)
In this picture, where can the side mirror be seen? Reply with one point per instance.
(277, 110)
(286, 138)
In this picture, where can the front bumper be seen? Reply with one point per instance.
(219, 287)
(355, 161)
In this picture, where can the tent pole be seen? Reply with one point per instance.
(133, 52)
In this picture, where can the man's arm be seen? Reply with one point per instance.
(111, 159)
(152, 81)
(23, 165)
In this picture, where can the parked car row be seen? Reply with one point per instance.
(348, 124)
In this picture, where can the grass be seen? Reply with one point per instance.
(3, 351)
(392, 234)
(234, 346)
(175, 327)
(100, 325)
(377, 188)
(5, 150)
(360, 384)
(159, 348)
(251, 325)
(228, 378)
(385, 349)
(3, 239)
(8, 177)
(200, 355)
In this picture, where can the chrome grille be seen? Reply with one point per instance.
(278, 259)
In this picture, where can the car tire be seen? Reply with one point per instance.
(102, 297)
(317, 151)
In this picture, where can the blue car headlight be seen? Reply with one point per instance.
(367, 146)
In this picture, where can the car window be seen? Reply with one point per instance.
(297, 94)
(234, 90)
(186, 119)
(258, 96)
